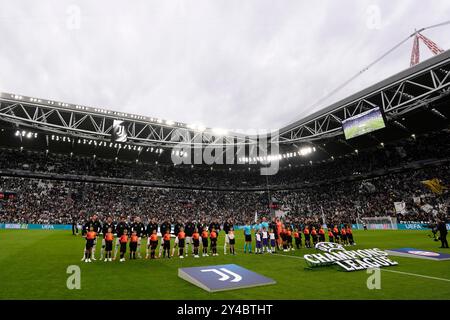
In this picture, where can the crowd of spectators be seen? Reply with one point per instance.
(55, 202)
(48, 201)
(429, 146)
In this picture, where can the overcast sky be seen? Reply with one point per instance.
(232, 64)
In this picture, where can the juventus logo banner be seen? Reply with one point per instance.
(119, 133)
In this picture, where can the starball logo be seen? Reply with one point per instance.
(329, 246)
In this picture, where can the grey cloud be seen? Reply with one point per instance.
(231, 64)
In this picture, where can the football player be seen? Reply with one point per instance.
(95, 224)
(121, 228)
(138, 227)
(108, 224)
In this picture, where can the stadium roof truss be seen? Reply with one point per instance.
(81, 122)
(413, 88)
(416, 87)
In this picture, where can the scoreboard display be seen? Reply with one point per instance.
(363, 123)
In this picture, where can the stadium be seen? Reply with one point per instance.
(350, 202)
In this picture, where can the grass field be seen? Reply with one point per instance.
(33, 266)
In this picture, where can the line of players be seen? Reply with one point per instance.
(277, 236)
(131, 234)
(269, 238)
(343, 236)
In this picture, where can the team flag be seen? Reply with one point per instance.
(435, 185)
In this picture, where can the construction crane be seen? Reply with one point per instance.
(415, 54)
(415, 57)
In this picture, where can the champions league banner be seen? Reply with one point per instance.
(348, 260)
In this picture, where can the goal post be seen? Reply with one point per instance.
(383, 223)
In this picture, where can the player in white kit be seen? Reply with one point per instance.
(265, 240)
(273, 242)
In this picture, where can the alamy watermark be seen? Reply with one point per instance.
(374, 280)
(73, 20)
(373, 19)
(74, 279)
(210, 148)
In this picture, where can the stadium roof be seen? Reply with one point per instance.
(413, 101)
(425, 65)
(437, 64)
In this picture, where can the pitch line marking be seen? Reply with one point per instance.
(416, 275)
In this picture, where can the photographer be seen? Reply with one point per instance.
(442, 228)
(434, 230)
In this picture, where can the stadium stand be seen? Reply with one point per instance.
(53, 189)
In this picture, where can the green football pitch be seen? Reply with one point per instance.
(33, 265)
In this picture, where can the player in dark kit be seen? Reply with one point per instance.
(153, 243)
(314, 236)
(181, 238)
(177, 226)
(108, 224)
(321, 234)
(307, 237)
(344, 236)
(283, 239)
(90, 238)
(123, 244)
(215, 225)
(109, 238)
(336, 234)
(200, 227)
(349, 232)
(189, 230)
(204, 243)
(196, 242)
(176, 229)
(165, 226)
(121, 227)
(330, 235)
(95, 224)
(74, 225)
(442, 228)
(213, 238)
(134, 239)
(298, 239)
(289, 239)
(151, 227)
(138, 227)
(166, 245)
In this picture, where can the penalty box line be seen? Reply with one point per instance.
(382, 269)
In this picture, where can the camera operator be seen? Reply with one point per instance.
(433, 226)
(442, 228)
